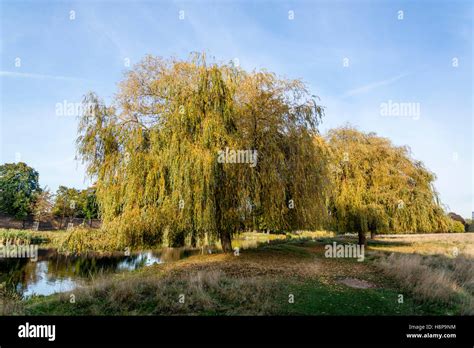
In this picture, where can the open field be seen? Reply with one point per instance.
(288, 276)
(448, 244)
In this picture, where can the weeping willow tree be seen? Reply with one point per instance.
(169, 154)
(378, 187)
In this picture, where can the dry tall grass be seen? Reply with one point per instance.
(449, 244)
(10, 302)
(434, 278)
(199, 292)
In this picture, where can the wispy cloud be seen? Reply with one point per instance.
(373, 85)
(39, 76)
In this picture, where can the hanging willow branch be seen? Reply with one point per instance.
(155, 154)
(379, 188)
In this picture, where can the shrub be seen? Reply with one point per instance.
(469, 225)
(456, 227)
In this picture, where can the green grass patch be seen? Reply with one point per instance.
(288, 248)
(16, 237)
(313, 298)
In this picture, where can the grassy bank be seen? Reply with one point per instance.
(283, 275)
(16, 237)
(290, 277)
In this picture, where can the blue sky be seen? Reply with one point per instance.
(355, 55)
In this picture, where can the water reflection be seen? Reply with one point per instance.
(54, 272)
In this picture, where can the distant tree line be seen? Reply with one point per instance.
(21, 196)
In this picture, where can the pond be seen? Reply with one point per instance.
(55, 272)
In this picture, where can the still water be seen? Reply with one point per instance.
(54, 272)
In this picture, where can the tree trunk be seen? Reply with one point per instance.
(372, 234)
(226, 241)
(64, 214)
(362, 239)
